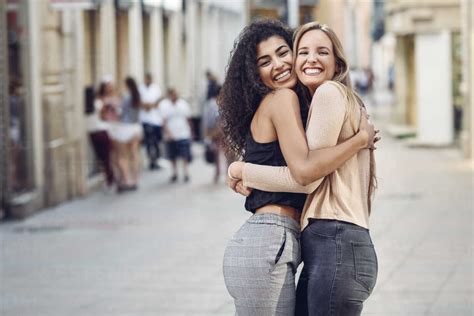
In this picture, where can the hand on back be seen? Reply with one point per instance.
(368, 127)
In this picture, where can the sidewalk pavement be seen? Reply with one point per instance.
(158, 251)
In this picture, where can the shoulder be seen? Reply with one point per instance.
(165, 103)
(183, 103)
(183, 106)
(331, 89)
(281, 99)
(330, 97)
(155, 87)
(127, 98)
(283, 94)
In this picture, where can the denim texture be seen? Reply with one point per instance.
(340, 269)
(153, 136)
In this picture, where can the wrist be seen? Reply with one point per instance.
(235, 171)
(363, 138)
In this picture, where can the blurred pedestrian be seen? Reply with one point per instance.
(177, 131)
(391, 77)
(98, 134)
(212, 133)
(15, 135)
(212, 85)
(151, 120)
(127, 134)
(110, 99)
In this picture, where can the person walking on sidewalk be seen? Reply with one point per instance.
(262, 121)
(151, 120)
(127, 134)
(340, 263)
(213, 133)
(177, 127)
(213, 85)
(98, 133)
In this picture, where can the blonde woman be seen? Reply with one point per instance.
(340, 263)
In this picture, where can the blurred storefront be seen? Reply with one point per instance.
(4, 112)
(292, 12)
(467, 85)
(428, 68)
(18, 170)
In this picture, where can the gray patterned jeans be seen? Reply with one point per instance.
(260, 262)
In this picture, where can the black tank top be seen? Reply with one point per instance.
(268, 154)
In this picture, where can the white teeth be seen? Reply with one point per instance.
(312, 71)
(283, 74)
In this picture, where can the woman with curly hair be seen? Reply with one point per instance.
(262, 122)
(340, 263)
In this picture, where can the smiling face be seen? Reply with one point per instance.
(275, 63)
(315, 60)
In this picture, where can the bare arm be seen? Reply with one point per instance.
(326, 118)
(307, 166)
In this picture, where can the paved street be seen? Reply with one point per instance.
(159, 251)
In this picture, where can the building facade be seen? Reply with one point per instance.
(467, 86)
(58, 48)
(428, 65)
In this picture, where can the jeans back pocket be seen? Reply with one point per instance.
(365, 264)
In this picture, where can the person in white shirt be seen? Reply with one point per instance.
(151, 120)
(177, 129)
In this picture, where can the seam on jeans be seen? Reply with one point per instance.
(366, 286)
(338, 248)
(309, 228)
(332, 304)
(277, 258)
(282, 248)
(332, 301)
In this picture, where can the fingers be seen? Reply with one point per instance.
(232, 184)
(238, 187)
(242, 189)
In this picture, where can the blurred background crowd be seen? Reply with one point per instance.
(93, 91)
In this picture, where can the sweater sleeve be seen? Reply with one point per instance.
(274, 179)
(326, 117)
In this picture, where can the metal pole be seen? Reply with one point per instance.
(4, 113)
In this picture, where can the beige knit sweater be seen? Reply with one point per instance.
(341, 195)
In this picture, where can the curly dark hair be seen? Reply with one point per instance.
(243, 89)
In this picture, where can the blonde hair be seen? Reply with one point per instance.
(343, 82)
